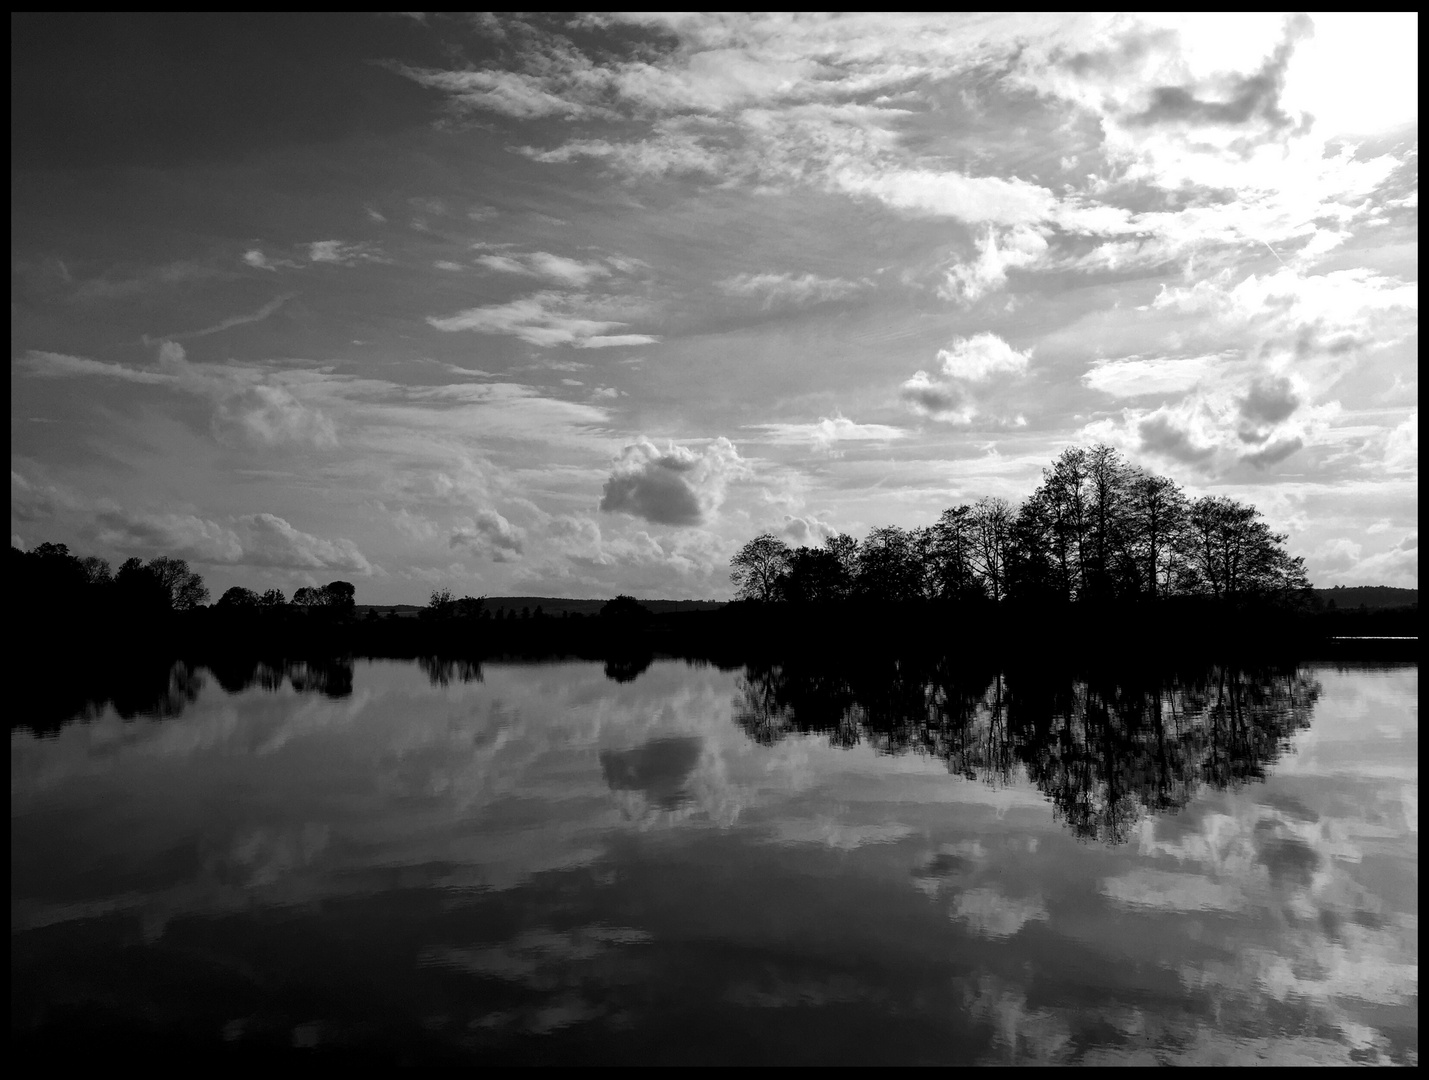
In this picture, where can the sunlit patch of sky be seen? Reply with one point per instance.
(578, 304)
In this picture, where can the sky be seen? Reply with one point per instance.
(576, 305)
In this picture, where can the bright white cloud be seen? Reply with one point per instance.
(828, 431)
(1138, 377)
(545, 319)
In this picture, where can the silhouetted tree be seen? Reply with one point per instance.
(758, 568)
(992, 518)
(1158, 520)
(814, 575)
(185, 588)
(238, 599)
(1232, 553)
(889, 567)
(340, 597)
(626, 611)
(954, 547)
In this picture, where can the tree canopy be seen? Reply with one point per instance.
(1096, 529)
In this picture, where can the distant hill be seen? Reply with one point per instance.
(552, 605)
(1372, 597)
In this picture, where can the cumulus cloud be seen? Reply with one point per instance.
(794, 290)
(998, 252)
(951, 395)
(545, 319)
(807, 531)
(490, 535)
(1268, 402)
(270, 415)
(269, 540)
(674, 486)
(981, 356)
(263, 540)
(1161, 435)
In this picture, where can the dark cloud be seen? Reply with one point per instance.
(932, 396)
(1269, 401)
(1243, 98)
(676, 486)
(1160, 436)
(655, 494)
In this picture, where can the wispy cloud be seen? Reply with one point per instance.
(796, 290)
(545, 319)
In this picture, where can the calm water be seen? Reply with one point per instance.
(570, 862)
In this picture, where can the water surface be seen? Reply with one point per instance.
(573, 862)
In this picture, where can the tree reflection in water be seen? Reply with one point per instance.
(1104, 747)
(52, 698)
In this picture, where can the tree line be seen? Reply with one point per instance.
(1097, 529)
(47, 578)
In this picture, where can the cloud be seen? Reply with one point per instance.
(30, 501)
(787, 289)
(270, 415)
(342, 253)
(490, 535)
(249, 405)
(1273, 453)
(270, 541)
(1136, 376)
(566, 271)
(674, 486)
(997, 253)
(509, 93)
(260, 540)
(829, 431)
(1239, 99)
(1269, 401)
(1160, 435)
(807, 531)
(270, 308)
(60, 365)
(973, 199)
(966, 364)
(981, 356)
(544, 319)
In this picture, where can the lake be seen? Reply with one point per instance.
(637, 862)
